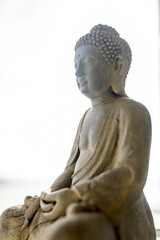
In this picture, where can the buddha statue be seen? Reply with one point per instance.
(99, 195)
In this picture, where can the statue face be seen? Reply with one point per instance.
(91, 71)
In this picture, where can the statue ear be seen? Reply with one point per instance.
(119, 65)
(118, 83)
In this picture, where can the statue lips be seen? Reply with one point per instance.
(83, 85)
(81, 82)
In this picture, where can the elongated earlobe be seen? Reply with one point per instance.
(118, 88)
(118, 83)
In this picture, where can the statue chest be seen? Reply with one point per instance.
(98, 133)
(90, 130)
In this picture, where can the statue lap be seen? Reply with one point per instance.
(79, 226)
(73, 226)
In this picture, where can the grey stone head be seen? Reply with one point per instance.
(110, 46)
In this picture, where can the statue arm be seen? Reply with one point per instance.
(64, 180)
(124, 182)
(60, 190)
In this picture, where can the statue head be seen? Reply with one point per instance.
(112, 50)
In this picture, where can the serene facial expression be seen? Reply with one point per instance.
(91, 71)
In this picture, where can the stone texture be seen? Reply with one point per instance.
(99, 195)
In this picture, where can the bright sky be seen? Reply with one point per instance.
(40, 105)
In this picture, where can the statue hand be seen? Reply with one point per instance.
(32, 204)
(45, 205)
(54, 204)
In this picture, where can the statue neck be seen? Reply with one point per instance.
(101, 100)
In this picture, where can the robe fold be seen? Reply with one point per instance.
(114, 176)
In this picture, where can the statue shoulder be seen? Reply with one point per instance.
(131, 106)
(133, 110)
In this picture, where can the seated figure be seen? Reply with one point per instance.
(99, 195)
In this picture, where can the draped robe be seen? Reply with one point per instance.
(113, 177)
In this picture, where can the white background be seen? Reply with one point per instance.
(40, 105)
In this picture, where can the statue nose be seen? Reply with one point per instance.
(79, 71)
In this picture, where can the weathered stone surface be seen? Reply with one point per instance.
(99, 195)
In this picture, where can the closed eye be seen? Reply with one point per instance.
(89, 60)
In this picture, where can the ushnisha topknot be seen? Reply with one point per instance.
(109, 42)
